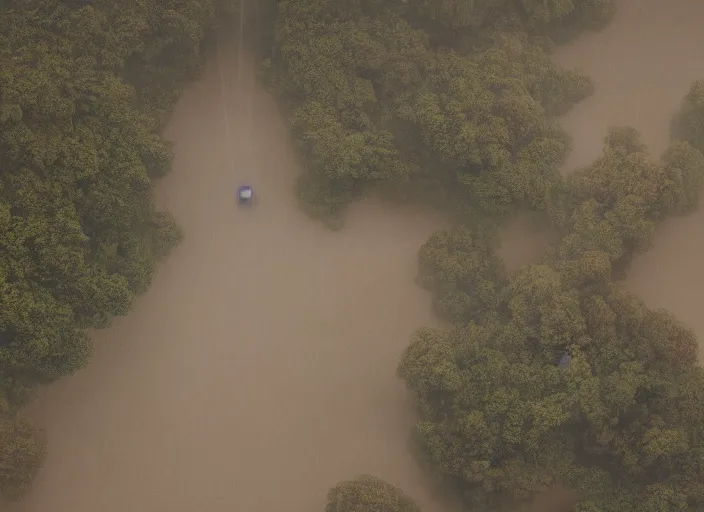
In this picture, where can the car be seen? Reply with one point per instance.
(245, 195)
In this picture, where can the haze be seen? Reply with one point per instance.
(259, 368)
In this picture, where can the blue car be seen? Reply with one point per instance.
(245, 195)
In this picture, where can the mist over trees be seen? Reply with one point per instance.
(688, 124)
(549, 376)
(375, 99)
(85, 89)
(368, 493)
(554, 375)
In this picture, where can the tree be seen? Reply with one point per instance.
(553, 376)
(334, 65)
(484, 118)
(566, 379)
(80, 231)
(22, 450)
(371, 102)
(561, 19)
(615, 204)
(684, 167)
(84, 90)
(503, 420)
(688, 124)
(486, 411)
(368, 494)
(462, 269)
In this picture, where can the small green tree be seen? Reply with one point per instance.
(368, 494)
(463, 270)
(22, 452)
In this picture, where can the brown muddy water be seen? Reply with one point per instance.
(259, 369)
(643, 65)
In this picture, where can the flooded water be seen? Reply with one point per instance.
(643, 65)
(259, 369)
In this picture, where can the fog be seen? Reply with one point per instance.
(258, 370)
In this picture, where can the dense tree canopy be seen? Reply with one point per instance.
(614, 204)
(504, 419)
(22, 450)
(84, 91)
(555, 375)
(372, 101)
(688, 124)
(462, 269)
(551, 16)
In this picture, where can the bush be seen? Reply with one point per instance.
(84, 93)
(368, 494)
(688, 124)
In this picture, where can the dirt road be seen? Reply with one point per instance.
(643, 65)
(259, 369)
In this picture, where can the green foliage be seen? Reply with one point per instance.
(167, 234)
(503, 420)
(79, 227)
(560, 19)
(84, 91)
(615, 204)
(371, 102)
(487, 119)
(368, 494)
(556, 376)
(329, 70)
(688, 124)
(482, 13)
(463, 270)
(22, 450)
(461, 98)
